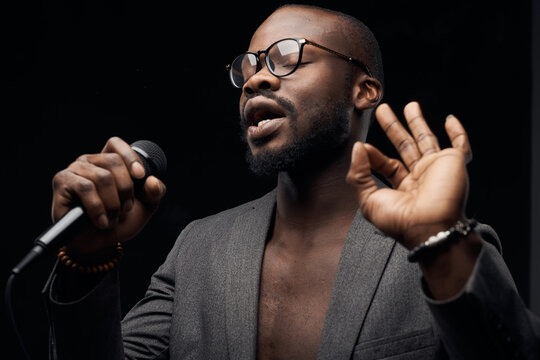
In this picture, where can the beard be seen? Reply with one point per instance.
(323, 143)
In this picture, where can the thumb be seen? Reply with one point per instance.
(359, 174)
(154, 190)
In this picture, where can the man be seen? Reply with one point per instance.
(318, 267)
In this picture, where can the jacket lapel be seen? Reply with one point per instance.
(363, 259)
(244, 253)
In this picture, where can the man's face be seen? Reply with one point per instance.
(295, 121)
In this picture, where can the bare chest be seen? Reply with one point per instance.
(295, 292)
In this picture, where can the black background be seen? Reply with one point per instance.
(79, 72)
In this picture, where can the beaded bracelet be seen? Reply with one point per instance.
(461, 229)
(90, 269)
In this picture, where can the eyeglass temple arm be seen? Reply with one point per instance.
(348, 58)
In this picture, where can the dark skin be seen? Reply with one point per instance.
(314, 208)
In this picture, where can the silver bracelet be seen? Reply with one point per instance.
(461, 229)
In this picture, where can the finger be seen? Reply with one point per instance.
(130, 157)
(103, 184)
(154, 190)
(69, 186)
(392, 169)
(360, 176)
(122, 178)
(400, 138)
(458, 136)
(426, 142)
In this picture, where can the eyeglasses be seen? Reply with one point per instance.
(282, 58)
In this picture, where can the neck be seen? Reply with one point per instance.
(312, 201)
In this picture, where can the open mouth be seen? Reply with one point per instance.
(260, 111)
(264, 117)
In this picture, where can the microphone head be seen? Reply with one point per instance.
(152, 157)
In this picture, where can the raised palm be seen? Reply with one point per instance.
(429, 185)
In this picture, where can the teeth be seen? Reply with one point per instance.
(263, 122)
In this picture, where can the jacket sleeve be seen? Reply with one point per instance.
(488, 319)
(91, 326)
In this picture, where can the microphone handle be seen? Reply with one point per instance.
(64, 228)
(56, 235)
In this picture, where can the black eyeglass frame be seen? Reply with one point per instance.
(301, 42)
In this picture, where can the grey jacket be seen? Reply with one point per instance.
(202, 302)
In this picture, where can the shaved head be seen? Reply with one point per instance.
(359, 39)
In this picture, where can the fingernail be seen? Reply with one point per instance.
(137, 169)
(162, 189)
(450, 116)
(103, 221)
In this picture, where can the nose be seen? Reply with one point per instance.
(261, 80)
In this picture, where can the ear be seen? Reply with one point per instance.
(367, 92)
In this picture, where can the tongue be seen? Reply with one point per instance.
(265, 128)
(262, 122)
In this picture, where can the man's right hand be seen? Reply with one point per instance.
(103, 185)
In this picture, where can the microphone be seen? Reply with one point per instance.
(154, 163)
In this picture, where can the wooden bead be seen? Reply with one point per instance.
(72, 264)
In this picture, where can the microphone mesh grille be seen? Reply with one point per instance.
(153, 154)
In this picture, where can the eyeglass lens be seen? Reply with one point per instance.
(282, 58)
